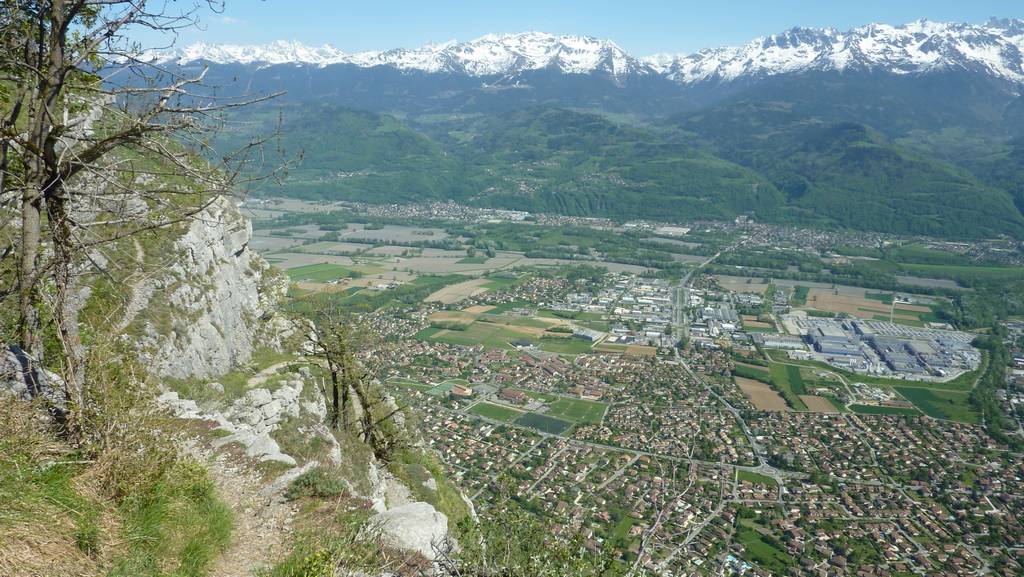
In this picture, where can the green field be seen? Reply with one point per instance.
(486, 334)
(569, 346)
(879, 410)
(505, 307)
(762, 552)
(496, 412)
(885, 298)
(951, 405)
(473, 260)
(544, 423)
(497, 283)
(546, 397)
(442, 389)
(787, 380)
(752, 477)
(577, 410)
(409, 383)
(799, 297)
(322, 272)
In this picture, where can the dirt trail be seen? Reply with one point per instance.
(263, 521)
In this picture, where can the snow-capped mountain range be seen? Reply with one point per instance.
(995, 48)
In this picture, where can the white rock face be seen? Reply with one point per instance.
(250, 420)
(220, 297)
(412, 527)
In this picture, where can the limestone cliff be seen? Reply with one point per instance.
(212, 305)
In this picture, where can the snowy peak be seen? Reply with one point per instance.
(280, 52)
(994, 48)
(489, 55)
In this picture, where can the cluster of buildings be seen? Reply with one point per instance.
(639, 310)
(657, 477)
(885, 348)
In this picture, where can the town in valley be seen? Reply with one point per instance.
(705, 398)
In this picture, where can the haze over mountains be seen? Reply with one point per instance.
(912, 128)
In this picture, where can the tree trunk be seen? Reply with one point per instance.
(334, 397)
(28, 282)
(58, 208)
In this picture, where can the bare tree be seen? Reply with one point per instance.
(98, 143)
(337, 340)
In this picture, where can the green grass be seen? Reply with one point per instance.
(496, 283)
(885, 298)
(544, 423)
(951, 405)
(427, 333)
(799, 297)
(787, 380)
(752, 477)
(487, 334)
(496, 412)
(752, 373)
(441, 389)
(415, 468)
(179, 522)
(409, 383)
(566, 346)
(578, 410)
(235, 382)
(322, 272)
(879, 410)
(763, 553)
(473, 260)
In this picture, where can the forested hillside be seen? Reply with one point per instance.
(771, 160)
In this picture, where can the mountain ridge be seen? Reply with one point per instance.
(995, 48)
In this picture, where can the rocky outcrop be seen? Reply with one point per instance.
(214, 304)
(250, 420)
(40, 383)
(414, 527)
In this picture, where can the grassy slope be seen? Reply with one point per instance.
(119, 512)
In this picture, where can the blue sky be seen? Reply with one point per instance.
(642, 27)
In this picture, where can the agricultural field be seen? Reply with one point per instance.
(790, 384)
(761, 395)
(496, 412)
(498, 331)
(458, 292)
(458, 320)
(328, 247)
(882, 410)
(818, 404)
(321, 273)
(941, 404)
(868, 307)
(742, 284)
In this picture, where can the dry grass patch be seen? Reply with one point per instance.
(458, 292)
(818, 404)
(761, 395)
(851, 304)
(641, 351)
